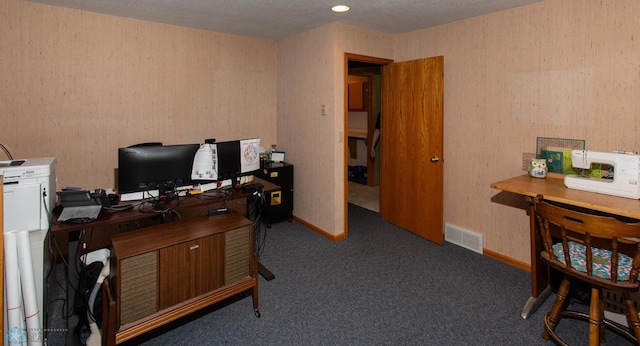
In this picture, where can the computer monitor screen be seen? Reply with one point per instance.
(238, 158)
(228, 160)
(249, 156)
(144, 168)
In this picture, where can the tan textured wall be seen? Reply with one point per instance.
(78, 85)
(353, 40)
(305, 82)
(310, 74)
(559, 68)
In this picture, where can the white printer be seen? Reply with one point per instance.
(29, 193)
(29, 196)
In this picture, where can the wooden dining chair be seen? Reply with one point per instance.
(597, 250)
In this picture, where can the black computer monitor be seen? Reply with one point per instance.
(228, 160)
(237, 158)
(152, 167)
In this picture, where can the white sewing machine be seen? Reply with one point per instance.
(626, 173)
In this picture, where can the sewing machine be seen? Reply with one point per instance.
(626, 173)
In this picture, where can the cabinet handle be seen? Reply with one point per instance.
(194, 247)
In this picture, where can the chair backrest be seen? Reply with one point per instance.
(599, 247)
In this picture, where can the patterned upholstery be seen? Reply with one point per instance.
(601, 260)
(595, 239)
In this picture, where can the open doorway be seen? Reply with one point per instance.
(363, 102)
(412, 94)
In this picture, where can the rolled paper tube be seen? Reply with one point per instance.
(29, 294)
(15, 333)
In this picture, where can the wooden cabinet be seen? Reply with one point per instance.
(164, 272)
(358, 93)
(190, 269)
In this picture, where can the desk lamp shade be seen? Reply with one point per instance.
(204, 163)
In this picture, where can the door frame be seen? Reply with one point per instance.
(345, 127)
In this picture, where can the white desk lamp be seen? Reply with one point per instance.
(205, 162)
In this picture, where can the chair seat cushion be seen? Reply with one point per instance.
(601, 266)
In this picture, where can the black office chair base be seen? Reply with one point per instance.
(585, 317)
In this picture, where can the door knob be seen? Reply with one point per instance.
(435, 159)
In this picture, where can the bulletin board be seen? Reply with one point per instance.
(557, 152)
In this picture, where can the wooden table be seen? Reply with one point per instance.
(553, 189)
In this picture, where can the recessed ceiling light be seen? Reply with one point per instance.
(340, 8)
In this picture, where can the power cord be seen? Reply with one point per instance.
(259, 230)
(6, 151)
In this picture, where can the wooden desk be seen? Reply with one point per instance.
(68, 233)
(59, 230)
(553, 189)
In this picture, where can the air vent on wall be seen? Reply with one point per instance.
(464, 238)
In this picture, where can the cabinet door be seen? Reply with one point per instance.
(174, 275)
(190, 269)
(358, 89)
(207, 265)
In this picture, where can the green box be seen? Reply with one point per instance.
(557, 152)
(555, 160)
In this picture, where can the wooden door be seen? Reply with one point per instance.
(411, 137)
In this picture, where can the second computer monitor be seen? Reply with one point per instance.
(238, 158)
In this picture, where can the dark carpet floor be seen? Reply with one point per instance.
(380, 286)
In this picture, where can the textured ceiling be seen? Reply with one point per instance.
(277, 19)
